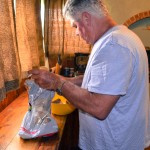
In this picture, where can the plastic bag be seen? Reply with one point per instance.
(37, 121)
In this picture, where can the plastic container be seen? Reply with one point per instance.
(60, 105)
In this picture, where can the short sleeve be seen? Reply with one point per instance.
(111, 70)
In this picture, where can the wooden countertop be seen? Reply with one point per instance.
(10, 121)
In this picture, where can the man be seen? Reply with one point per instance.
(113, 99)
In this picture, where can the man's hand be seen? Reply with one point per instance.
(45, 79)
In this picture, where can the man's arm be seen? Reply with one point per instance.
(75, 80)
(98, 105)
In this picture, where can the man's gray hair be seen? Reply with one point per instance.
(74, 8)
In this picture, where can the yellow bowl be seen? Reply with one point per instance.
(60, 105)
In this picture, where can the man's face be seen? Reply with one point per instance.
(81, 30)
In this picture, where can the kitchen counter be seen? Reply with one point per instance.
(10, 121)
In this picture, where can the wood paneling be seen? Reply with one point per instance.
(11, 96)
(71, 132)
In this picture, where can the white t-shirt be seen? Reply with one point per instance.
(117, 65)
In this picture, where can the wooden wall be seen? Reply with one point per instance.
(11, 96)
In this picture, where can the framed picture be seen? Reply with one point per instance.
(142, 29)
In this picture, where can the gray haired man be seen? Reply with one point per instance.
(112, 96)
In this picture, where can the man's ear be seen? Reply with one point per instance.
(86, 18)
